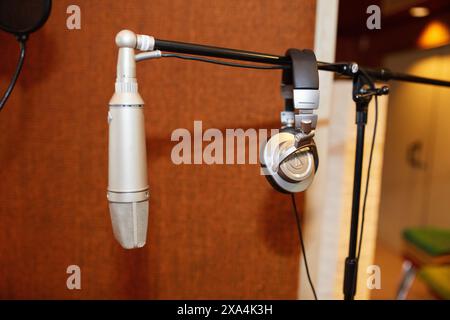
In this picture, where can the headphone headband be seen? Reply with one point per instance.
(300, 87)
(304, 73)
(300, 83)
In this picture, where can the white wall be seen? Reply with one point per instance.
(417, 113)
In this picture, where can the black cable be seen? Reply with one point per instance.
(224, 63)
(366, 191)
(300, 235)
(22, 42)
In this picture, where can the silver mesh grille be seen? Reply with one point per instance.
(129, 222)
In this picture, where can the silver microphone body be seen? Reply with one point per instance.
(128, 186)
(128, 190)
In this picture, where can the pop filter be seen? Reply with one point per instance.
(21, 17)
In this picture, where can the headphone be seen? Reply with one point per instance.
(289, 159)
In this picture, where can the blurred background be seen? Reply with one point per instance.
(219, 231)
(415, 176)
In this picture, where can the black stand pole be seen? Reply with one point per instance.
(363, 90)
(241, 55)
(351, 263)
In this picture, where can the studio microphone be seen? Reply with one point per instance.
(128, 190)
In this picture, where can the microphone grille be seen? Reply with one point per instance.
(129, 222)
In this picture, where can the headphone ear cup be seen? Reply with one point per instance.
(269, 177)
(295, 175)
(274, 184)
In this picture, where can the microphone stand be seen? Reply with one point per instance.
(363, 91)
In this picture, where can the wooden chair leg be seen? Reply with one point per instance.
(408, 276)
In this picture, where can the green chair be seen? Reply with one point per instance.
(438, 280)
(426, 250)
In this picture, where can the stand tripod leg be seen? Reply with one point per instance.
(408, 275)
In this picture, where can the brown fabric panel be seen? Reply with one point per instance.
(216, 231)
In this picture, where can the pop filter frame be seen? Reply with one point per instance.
(15, 21)
(12, 25)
